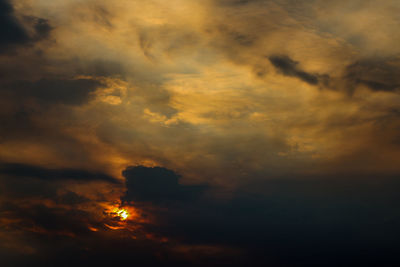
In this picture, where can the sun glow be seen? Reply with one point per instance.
(118, 213)
(123, 214)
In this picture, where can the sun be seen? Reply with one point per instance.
(117, 213)
(123, 214)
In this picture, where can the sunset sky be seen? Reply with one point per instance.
(199, 133)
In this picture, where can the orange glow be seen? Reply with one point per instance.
(114, 227)
(118, 213)
(120, 217)
(123, 214)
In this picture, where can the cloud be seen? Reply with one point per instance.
(11, 31)
(376, 74)
(27, 171)
(308, 220)
(230, 97)
(49, 219)
(14, 33)
(289, 67)
(42, 28)
(66, 228)
(157, 184)
(58, 91)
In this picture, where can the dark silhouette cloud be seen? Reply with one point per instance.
(296, 222)
(71, 198)
(42, 28)
(58, 91)
(11, 31)
(289, 67)
(29, 171)
(157, 184)
(376, 74)
(51, 219)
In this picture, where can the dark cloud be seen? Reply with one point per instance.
(60, 235)
(376, 74)
(11, 31)
(289, 67)
(99, 249)
(57, 91)
(158, 185)
(49, 219)
(42, 28)
(71, 198)
(283, 222)
(29, 171)
(292, 222)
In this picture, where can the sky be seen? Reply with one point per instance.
(199, 133)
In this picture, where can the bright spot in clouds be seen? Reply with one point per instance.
(123, 214)
(118, 213)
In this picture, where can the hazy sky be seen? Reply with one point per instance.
(238, 132)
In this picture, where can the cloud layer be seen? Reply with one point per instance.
(232, 131)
